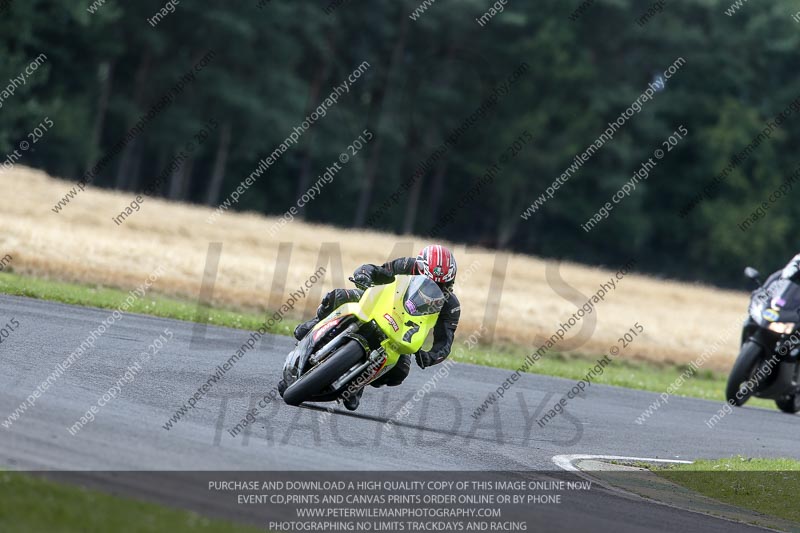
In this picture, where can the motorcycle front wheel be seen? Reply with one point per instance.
(315, 380)
(790, 404)
(744, 368)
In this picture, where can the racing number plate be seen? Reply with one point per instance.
(413, 329)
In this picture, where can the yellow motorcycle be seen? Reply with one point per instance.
(361, 341)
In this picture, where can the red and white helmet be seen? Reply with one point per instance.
(437, 263)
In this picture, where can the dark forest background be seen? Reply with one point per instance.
(274, 64)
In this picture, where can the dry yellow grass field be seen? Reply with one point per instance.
(83, 244)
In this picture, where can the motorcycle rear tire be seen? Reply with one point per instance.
(315, 380)
(746, 364)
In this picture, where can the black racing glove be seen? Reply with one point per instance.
(368, 275)
(327, 305)
(424, 359)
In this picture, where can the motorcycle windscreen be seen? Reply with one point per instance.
(423, 297)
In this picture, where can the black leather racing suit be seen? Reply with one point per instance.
(443, 332)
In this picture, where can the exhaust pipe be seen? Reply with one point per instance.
(373, 359)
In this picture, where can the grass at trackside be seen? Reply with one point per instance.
(29, 504)
(634, 375)
(630, 374)
(109, 298)
(768, 486)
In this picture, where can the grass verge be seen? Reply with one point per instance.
(768, 486)
(111, 298)
(621, 373)
(31, 504)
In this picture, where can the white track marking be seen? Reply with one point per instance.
(565, 461)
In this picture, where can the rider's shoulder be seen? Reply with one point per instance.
(452, 304)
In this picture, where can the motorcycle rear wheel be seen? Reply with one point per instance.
(790, 404)
(315, 380)
(746, 364)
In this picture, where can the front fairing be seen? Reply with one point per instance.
(391, 306)
(778, 302)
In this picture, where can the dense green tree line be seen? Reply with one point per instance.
(275, 62)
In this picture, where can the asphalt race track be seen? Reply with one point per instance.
(438, 434)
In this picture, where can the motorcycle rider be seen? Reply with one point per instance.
(435, 262)
(791, 269)
(791, 272)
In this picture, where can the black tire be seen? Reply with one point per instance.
(790, 404)
(746, 364)
(314, 381)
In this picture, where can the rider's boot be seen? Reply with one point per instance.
(303, 329)
(353, 400)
